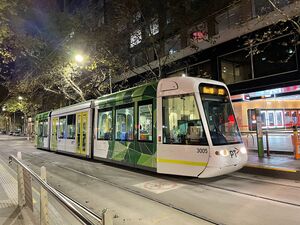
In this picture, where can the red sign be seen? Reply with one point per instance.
(198, 35)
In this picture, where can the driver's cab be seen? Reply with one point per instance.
(181, 135)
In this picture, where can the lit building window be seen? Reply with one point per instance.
(135, 38)
(154, 27)
(229, 19)
(137, 16)
(172, 51)
(236, 67)
(173, 45)
(262, 7)
(101, 21)
(199, 32)
(168, 17)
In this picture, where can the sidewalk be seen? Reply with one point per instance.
(277, 165)
(11, 138)
(10, 213)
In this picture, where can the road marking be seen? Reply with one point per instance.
(159, 186)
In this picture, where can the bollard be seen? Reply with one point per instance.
(295, 141)
(107, 217)
(44, 215)
(24, 187)
(267, 142)
(259, 134)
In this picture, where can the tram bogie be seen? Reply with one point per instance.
(180, 125)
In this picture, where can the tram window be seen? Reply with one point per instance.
(219, 114)
(181, 121)
(145, 123)
(71, 123)
(294, 117)
(263, 119)
(45, 129)
(287, 118)
(40, 129)
(104, 125)
(279, 119)
(124, 124)
(251, 119)
(62, 127)
(270, 118)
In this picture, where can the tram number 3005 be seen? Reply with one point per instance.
(202, 150)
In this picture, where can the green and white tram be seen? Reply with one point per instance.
(41, 125)
(180, 125)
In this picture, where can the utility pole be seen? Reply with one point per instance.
(14, 126)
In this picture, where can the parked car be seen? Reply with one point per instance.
(17, 133)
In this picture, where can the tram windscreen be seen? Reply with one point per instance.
(219, 114)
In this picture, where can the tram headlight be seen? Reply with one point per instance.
(224, 152)
(243, 150)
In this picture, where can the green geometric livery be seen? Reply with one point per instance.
(133, 153)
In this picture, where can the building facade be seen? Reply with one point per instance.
(251, 45)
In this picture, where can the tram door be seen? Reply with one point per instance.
(54, 134)
(81, 132)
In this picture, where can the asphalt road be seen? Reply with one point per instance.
(142, 198)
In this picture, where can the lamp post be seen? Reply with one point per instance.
(6, 124)
(5, 119)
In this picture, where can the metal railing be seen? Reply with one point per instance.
(25, 199)
(268, 139)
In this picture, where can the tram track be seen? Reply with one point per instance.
(263, 181)
(244, 193)
(175, 207)
(156, 200)
(128, 189)
(198, 181)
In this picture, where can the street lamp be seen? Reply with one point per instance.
(79, 58)
(20, 98)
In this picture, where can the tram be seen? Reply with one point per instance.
(180, 125)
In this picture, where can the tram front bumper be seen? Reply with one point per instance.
(223, 162)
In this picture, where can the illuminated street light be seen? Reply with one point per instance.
(20, 98)
(3, 109)
(79, 58)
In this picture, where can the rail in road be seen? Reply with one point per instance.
(232, 199)
(25, 199)
(203, 184)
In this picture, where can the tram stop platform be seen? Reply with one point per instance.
(277, 165)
